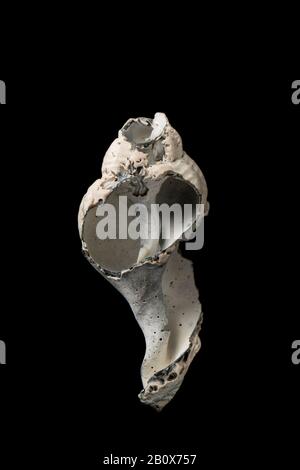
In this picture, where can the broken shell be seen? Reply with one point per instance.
(147, 164)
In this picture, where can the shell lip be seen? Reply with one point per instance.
(159, 259)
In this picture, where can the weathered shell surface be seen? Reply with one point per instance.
(159, 285)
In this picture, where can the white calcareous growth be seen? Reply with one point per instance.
(148, 165)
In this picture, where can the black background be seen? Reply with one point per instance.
(73, 347)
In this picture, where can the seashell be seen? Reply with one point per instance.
(148, 165)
